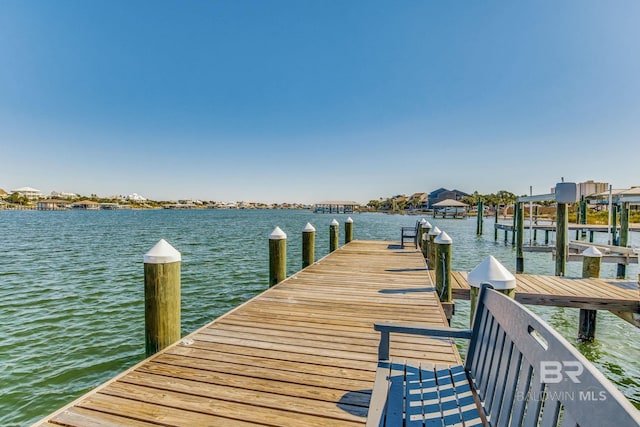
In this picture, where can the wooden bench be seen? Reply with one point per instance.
(517, 372)
(410, 233)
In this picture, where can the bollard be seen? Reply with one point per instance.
(495, 228)
(514, 225)
(161, 297)
(443, 244)
(308, 245)
(562, 227)
(519, 238)
(591, 262)
(491, 271)
(623, 240)
(479, 219)
(424, 239)
(333, 235)
(348, 230)
(277, 256)
(432, 247)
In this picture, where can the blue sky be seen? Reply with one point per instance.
(312, 100)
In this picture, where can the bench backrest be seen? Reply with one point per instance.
(528, 374)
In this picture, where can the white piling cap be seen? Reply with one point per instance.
(443, 239)
(592, 252)
(162, 253)
(423, 221)
(349, 220)
(277, 234)
(334, 222)
(427, 224)
(308, 228)
(435, 231)
(491, 271)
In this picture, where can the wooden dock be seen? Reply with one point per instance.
(302, 353)
(618, 296)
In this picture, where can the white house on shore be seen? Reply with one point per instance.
(29, 192)
(135, 197)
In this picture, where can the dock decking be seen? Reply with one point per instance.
(302, 353)
(615, 295)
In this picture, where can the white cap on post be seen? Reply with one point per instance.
(592, 252)
(334, 222)
(491, 271)
(308, 228)
(443, 239)
(349, 220)
(426, 224)
(277, 234)
(423, 221)
(162, 253)
(435, 231)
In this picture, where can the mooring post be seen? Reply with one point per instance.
(432, 247)
(614, 225)
(333, 235)
(515, 224)
(520, 239)
(591, 232)
(562, 227)
(583, 215)
(161, 297)
(495, 224)
(424, 239)
(277, 256)
(308, 245)
(443, 244)
(624, 236)
(535, 230)
(491, 271)
(348, 230)
(479, 218)
(591, 262)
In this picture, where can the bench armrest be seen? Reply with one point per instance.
(426, 330)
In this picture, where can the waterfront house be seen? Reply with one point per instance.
(52, 205)
(29, 192)
(86, 205)
(3, 194)
(443, 194)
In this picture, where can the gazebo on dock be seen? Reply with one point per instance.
(450, 208)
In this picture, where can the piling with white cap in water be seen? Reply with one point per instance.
(491, 271)
(277, 256)
(333, 235)
(308, 245)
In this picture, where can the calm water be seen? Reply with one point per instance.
(71, 290)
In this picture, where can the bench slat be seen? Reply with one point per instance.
(534, 402)
(495, 373)
(550, 413)
(503, 401)
(524, 381)
(379, 394)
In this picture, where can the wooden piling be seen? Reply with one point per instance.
(161, 297)
(514, 225)
(535, 230)
(443, 244)
(348, 230)
(614, 224)
(520, 238)
(308, 245)
(277, 256)
(583, 215)
(562, 230)
(495, 229)
(479, 219)
(546, 237)
(591, 262)
(435, 232)
(424, 239)
(621, 272)
(333, 235)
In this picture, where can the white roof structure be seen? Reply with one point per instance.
(26, 190)
(450, 203)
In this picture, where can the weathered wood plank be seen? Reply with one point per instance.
(302, 353)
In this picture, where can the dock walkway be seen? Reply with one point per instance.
(302, 353)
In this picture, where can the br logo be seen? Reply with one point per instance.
(552, 372)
